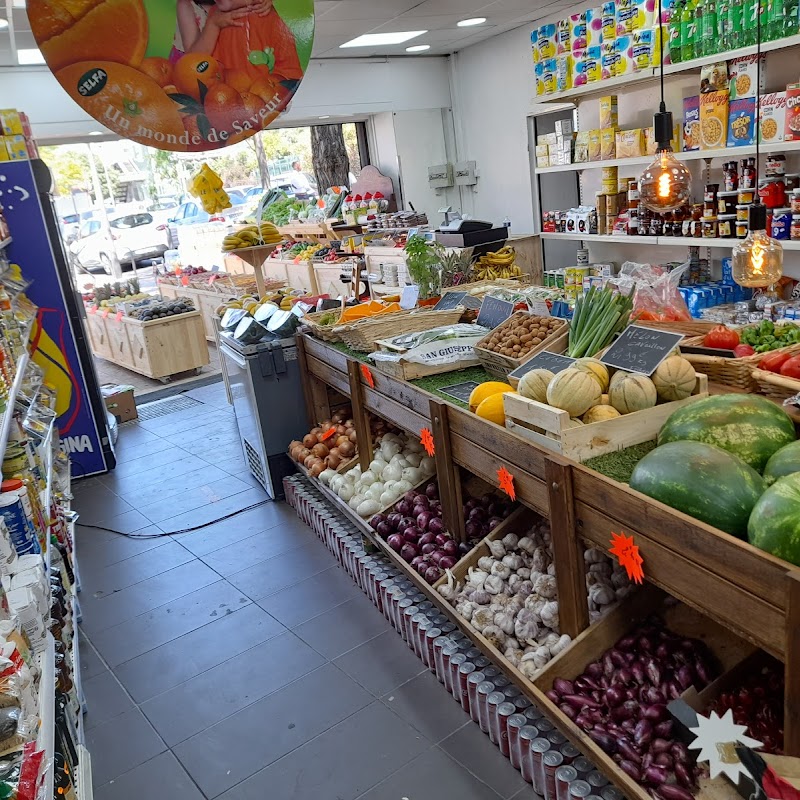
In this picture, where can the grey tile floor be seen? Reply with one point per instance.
(239, 661)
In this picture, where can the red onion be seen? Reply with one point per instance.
(427, 538)
(655, 713)
(435, 526)
(655, 775)
(628, 751)
(441, 538)
(409, 552)
(427, 549)
(421, 500)
(669, 791)
(663, 729)
(450, 548)
(472, 529)
(494, 522)
(432, 574)
(418, 562)
(376, 520)
(614, 697)
(423, 520)
(432, 491)
(412, 534)
(683, 775)
(406, 522)
(404, 507)
(478, 514)
(568, 711)
(447, 562)
(464, 548)
(563, 686)
(631, 769)
(384, 530)
(605, 741)
(394, 519)
(396, 542)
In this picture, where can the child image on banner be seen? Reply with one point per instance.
(182, 75)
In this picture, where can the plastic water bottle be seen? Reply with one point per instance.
(507, 224)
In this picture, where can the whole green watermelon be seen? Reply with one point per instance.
(703, 481)
(775, 521)
(785, 462)
(749, 426)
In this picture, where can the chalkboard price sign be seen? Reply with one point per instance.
(449, 301)
(544, 360)
(460, 391)
(494, 312)
(641, 349)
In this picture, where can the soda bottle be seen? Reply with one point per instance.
(710, 30)
(699, 14)
(791, 18)
(722, 25)
(749, 22)
(687, 32)
(735, 26)
(675, 33)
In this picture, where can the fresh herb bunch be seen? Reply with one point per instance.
(424, 263)
(599, 316)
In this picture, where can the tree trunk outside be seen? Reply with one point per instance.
(263, 167)
(329, 154)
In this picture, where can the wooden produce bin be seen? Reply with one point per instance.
(206, 301)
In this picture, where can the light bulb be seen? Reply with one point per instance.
(758, 260)
(666, 184)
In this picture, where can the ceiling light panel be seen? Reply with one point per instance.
(30, 55)
(386, 39)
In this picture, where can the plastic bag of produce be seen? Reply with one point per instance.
(656, 297)
(451, 344)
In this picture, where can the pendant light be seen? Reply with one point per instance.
(758, 260)
(666, 184)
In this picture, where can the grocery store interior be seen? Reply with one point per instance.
(400, 400)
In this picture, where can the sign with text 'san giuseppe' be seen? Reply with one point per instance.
(185, 75)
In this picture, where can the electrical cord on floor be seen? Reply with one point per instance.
(173, 533)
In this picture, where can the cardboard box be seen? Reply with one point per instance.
(608, 143)
(713, 120)
(543, 155)
(691, 123)
(742, 122)
(120, 402)
(10, 122)
(791, 129)
(609, 116)
(743, 74)
(17, 148)
(773, 117)
(595, 148)
(581, 155)
(630, 144)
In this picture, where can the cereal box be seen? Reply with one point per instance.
(713, 120)
(594, 145)
(609, 116)
(3, 149)
(742, 122)
(594, 64)
(630, 144)
(562, 36)
(577, 32)
(563, 72)
(10, 122)
(609, 23)
(608, 143)
(791, 130)
(691, 123)
(594, 26)
(624, 47)
(547, 42)
(642, 52)
(608, 59)
(773, 117)
(743, 74)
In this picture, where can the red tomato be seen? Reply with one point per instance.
(772, 362)
(791, 367)
(722, 338)
(743, 350)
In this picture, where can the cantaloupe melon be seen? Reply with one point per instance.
(574, 391)
(533, 384)
(597, 369)
(600, 414)
(631, 392)
(674, 379)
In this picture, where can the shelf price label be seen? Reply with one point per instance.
(507, 482)
(328, 434)
(105, 313)
(427, 441)
(366, 372)
(118, 316)
(627, 553)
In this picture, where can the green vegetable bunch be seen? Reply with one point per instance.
(767, 336)
(599, 316)
(424, 261)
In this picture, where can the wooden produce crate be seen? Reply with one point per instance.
(500, 366)
(482, 288)
(735, 372)
(775, 387)
(687, 328)
(206, 301)
(98, 336)
(727, 648)
(552, 428)
(365, 333)
(325, 332)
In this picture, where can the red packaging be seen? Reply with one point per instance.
(484, 690)
(439, 645)
(451, 681)
(791, 132)
(514, 725)
(419, 643)
(565, 775)
(539, 747)
(493, 702)
(596, 780)
(578, 790)
(504, 712)
(473, 681)
(464, 671)
(527, 736)
(431, 635)
(550, 763)
(448, 652)
(408, 613)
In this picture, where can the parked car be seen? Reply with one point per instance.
(134, 238)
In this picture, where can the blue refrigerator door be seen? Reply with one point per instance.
(59, 342)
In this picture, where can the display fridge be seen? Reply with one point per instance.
(58, 340)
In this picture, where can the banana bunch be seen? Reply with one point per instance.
(206, 185)
(501, 264)
(252, 236)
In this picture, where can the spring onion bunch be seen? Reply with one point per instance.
(599, 316)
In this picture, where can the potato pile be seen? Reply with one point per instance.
(517, 337)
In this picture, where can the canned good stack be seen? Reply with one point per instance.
(553, 766)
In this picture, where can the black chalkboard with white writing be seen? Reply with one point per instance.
(641, 349)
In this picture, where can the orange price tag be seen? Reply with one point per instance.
(184, 280)
(367, 373)
(212, 279)
(507, 482)
(328, 434)
(118, 316)
(93, 310)
(628, 555)
(427, 441)
(105, 313)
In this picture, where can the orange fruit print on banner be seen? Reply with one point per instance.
(184, 75)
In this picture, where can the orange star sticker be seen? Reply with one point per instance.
(507, 482)
(367, 373)
(628, 555)
(427, 441)
(328, 434)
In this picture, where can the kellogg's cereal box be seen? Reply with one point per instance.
(691, 123)
(743, 74)
(791, 130)
(742, 122)
(773, 117)
(713, 120)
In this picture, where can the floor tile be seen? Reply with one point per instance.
(213, 394)
(343, 628)
(203, 649)
(104, 612)
(120, 524)
(219, 692)
(433, 774)
(341, 763)
(105, 699)
(121, 744)
(161, 625)
(102, 548)
(233, 466)
(241, 745)
(260, 547)
(127, 484)
(420, 703)
(311, 597)
(267, 577)
(171, 426)
(203, 493)
(151, 462)
(99, 502)
(211, 429)
(215, 537)
(222, 450)
(215, 511)
(106, 580)
(382, 664)
(91, 663)
(135, 441)
(161, 777)
(473, 750)
(147, 494)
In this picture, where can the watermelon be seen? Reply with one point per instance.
(703, 481)
(783, 463)
(746, 425)
(775, 521)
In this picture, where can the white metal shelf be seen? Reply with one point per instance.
(84, 782)
(8, 414)
(652, 74)
(47, 711)
(661, 241)
(691, 155)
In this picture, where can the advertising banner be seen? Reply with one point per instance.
(184, 75)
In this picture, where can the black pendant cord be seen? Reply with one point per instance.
(758, 98)
(663, 106)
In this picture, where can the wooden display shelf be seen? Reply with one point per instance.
(745, 590)
(206, 301)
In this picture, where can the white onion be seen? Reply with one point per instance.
(392, 473)
(367, 479)
(428, 465)
(356, 500)
(402, 487)
(368, 508)
(389, 449)
(413, 459)
(375, 491)
(412, 475)
(376, 466)
(346, 492)
(387, 498)
(327, 475)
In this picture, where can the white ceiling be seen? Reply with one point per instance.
(339, 21)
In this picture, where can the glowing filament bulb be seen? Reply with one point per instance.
(757, 259)
(664, 185)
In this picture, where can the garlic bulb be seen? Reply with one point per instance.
(594, 556)
(485, 563)
(466, 610)
(540, 560)
(496, 548)
(512, 561)
(481, 597)
(549, 614)
(505, 621)
(562, 644)
(545, 586)
(510, 541)
(501, 570)
(602, 594)
(482, 617)
(494, 584)
(524, 573)
(476, 577)
(495, 636)
(527, 545)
